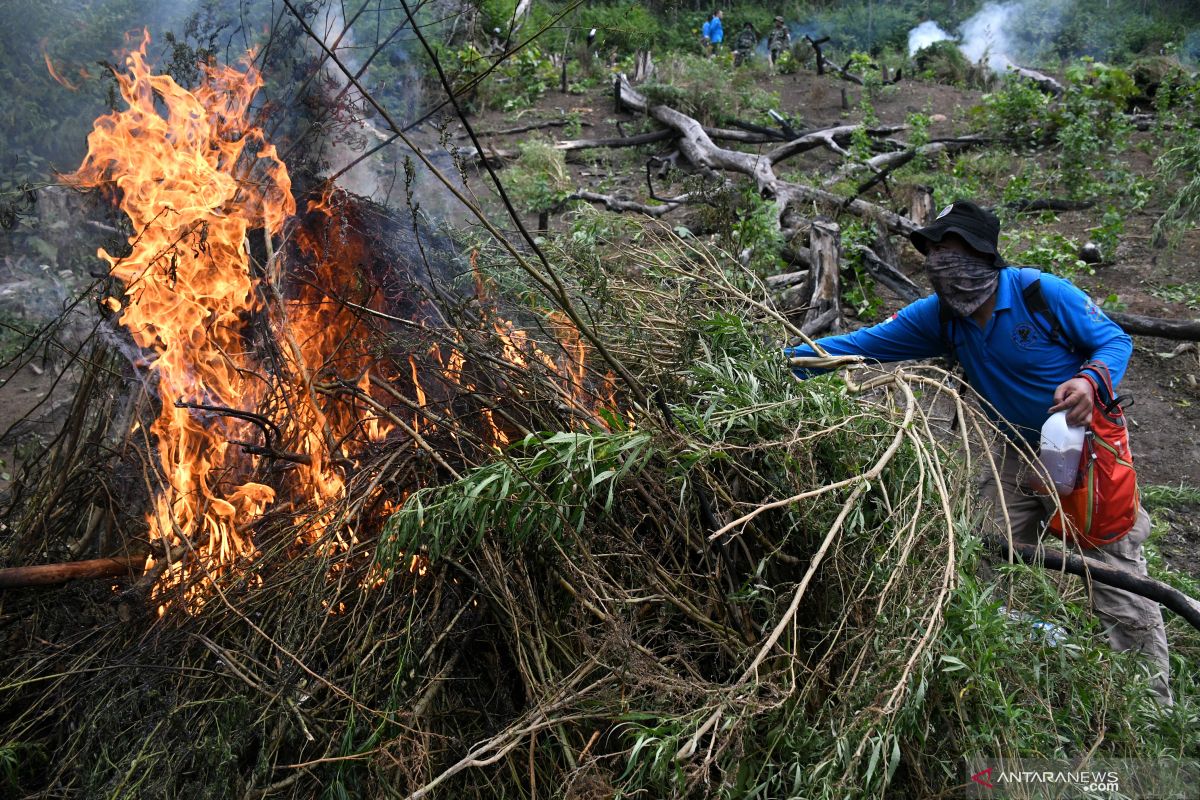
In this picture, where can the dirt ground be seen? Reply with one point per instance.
(1166, 410)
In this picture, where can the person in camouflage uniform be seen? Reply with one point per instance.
(745, 44)
(778, 40)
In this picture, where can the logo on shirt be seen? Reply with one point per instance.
(1024, 336)
(1093, 311)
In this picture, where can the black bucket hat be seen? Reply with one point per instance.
(977, 226)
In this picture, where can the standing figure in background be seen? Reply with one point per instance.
(716, 30)
(778, 40)
(745, 44)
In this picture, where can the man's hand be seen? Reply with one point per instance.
(1074, 397)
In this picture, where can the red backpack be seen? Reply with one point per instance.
(1104, 505)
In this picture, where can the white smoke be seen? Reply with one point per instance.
(1000, 35)
(986, 36)
(353, 135)
(924, 35)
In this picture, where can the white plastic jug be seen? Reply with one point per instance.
(1062, 445)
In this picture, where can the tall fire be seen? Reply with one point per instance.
(198, 180)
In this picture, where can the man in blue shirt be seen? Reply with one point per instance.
(716, 30)
(1025, 370)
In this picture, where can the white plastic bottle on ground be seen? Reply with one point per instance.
(1062, 445)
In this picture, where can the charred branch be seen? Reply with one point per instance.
(533, 126)
(1088, 568)
(885, 164)
(816, 45)
(887, 274)
(51, 574)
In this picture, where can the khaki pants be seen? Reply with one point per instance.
(1132, 622)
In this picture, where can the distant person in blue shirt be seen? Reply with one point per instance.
(1026, 364)
(716, 29)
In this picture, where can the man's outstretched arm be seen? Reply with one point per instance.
(913, 332)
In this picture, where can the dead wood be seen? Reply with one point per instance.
(1039, 79)
(620, 205)
(786, 279)
(698, 147)
(885, 164)
(888, 275)
(835, 139)
(1026, 204)
(763, 130)
(532, 126)
(816, 46)
(1134, 324)
(614, 141)
(1088, 568)
(920, 207)
(824, 305)
(50, 574)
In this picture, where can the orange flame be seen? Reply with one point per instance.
(196, 177)
(54, 73)
(194, 180)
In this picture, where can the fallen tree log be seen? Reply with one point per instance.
(1039, 79)
(1026, 204)
(786, 279)
(1135, 325)
(699, 149)
(622, 206)
(835, 139)
(532, 126)
(50, 574)
(887, 274)
(1088, 568)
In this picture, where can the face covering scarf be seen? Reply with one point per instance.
(961, 281)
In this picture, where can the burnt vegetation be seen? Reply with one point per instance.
(507, 491)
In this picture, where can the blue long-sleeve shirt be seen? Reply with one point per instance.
(716, 31)
(1011, 361)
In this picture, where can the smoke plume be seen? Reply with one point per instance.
(925, 34)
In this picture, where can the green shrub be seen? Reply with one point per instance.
(943, 62)
(708, 89)
(516, 83)
(1018, 110)
(539, 180)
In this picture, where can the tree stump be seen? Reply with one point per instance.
(643, 66)
(824, 306)
(920, 209)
